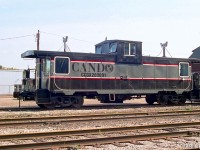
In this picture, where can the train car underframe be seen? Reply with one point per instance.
(166, 98)
(46, 99)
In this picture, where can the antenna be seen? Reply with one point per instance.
(65, 41)
(164, 45)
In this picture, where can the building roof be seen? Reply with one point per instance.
(196, 53)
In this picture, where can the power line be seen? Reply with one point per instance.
(68, 37)
(159, 53)
(17, 37)
(60, 47)
(168, 52)
(51, 34)
(23, 36)
(81, 40)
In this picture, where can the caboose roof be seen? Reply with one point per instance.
(44, 53)
(41, 53)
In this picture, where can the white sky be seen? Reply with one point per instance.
(88, 22)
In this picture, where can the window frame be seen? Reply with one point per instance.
(188, 69)
(68, 65)
(129, 49)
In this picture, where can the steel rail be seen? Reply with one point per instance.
(98, 141)
(96, 115)
(88, 119)
(96, 131)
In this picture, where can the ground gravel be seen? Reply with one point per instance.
(94, 107)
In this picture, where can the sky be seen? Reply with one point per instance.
(88, 22)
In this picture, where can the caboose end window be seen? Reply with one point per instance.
(183, 69)
(62, 65)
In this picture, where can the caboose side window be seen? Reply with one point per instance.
(113, 47)
(62, 65)
(98, 50)
(129, 49)
(183, 69)
(102, 49)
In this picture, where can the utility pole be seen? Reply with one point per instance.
(38, 62)
(38, 40)
(65, 41)
(164, 45)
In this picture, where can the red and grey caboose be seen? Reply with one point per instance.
(114, 73)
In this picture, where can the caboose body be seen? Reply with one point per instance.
(117, 71)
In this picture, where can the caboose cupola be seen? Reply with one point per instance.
(125, 51)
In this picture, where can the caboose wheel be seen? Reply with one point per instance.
(65, 101)
(163, 100)
(119, 99)
(150, 99)
(182, 99)
(177, 100)
(41, 106)
(172, 100)
(77, 101)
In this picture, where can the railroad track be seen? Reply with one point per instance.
(84, 107)
(95, 117)
(94, 106)
(102, 140)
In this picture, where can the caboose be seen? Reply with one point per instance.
(117, 71)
